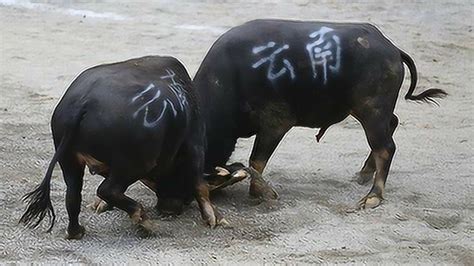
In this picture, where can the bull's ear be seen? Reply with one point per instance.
(222, 171)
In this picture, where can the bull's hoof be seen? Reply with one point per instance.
(223, 222)
(370, 201)
(212, 217)
(138, 216)
(220, 220)
(259, 188)
(76, 233)
(217, 220)
(140, 219)
(99, 206)
(363, 177)
(148, 226)
(210, 221)
(208, 213)
(169, 206)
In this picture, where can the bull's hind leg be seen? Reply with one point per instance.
(367, 172)
(379, 135)
(112, 191)
(274, 121)
(73, 172)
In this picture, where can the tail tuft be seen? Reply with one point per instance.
(39, 206)
(39, 200)
(428, 96)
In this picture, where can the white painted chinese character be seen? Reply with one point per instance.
(146, 106)
(272, 73)
(177, 89)
(324, 52)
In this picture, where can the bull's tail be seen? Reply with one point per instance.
(39, 200)
(427, 95)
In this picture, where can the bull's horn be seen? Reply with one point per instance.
(222, 171)
(241, 174)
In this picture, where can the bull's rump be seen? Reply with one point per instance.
(127, 110)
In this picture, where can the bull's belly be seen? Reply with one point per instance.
(149, 169)
(303, 111)
(322, 120)
(105, 161)
(130, 150)
(97, 167)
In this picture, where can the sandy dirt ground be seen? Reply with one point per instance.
(429, 209)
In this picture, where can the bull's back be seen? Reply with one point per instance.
(303, 63)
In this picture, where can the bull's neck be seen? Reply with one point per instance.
(218, 110)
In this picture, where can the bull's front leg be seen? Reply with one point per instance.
(209, 212)
(275, 120)
(112, 190)
(263, 148)
(99, 206)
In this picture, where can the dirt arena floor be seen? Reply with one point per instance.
(428, 214)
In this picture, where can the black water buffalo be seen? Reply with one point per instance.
(134, 120)
(266, 76)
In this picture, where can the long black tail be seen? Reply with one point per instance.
(427, 95)
(39, 200)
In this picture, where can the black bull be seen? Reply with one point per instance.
(128, 121)
(266, 76)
